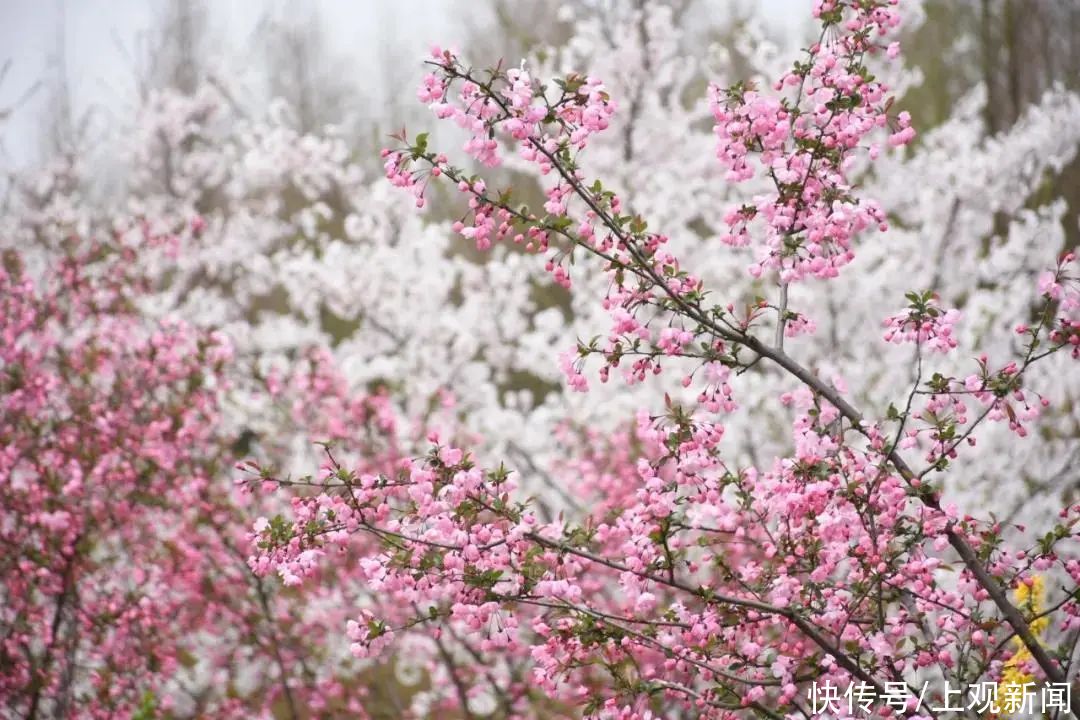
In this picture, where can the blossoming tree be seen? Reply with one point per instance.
(108, 438)
(126, 589)
(706, 586)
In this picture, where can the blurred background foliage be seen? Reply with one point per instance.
(1016, 49)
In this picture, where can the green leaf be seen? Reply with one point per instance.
(147, 709)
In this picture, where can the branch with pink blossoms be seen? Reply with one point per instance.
(484, 564)
(830, 564)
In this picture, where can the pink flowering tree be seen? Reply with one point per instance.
(107, 435)
(126, 588)
(685, 583)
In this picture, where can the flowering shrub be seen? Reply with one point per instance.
(708, 587)
(126, 592)
(107, 434)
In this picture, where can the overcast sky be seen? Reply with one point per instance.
(100, 36)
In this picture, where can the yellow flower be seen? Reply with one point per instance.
(1013, 676)
(1031, 598)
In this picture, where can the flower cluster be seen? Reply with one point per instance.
(804, 142)
(1061, 287)
(923, 323)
